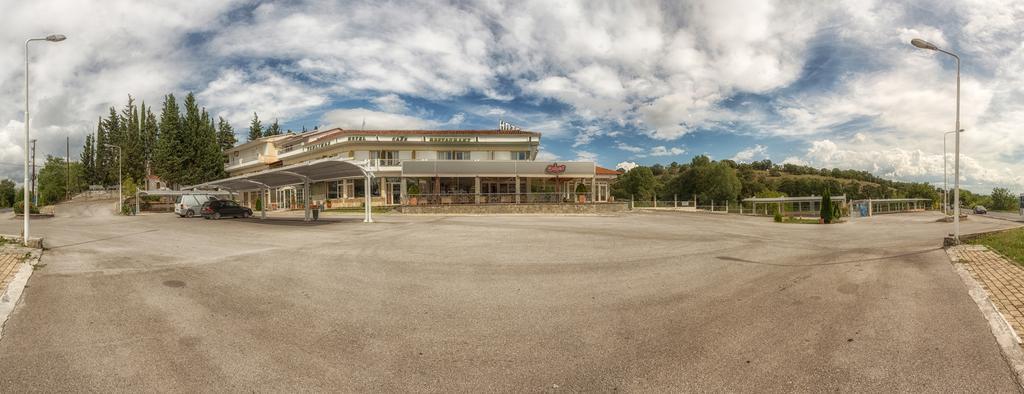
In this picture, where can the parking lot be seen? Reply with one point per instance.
(661, 301)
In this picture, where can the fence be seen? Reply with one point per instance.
(497, 198)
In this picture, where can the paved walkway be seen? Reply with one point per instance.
(1001, 278)
(8, 267)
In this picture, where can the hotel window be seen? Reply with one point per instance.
(332, 190)
(453, 155)
(521, 155)
(386, 157)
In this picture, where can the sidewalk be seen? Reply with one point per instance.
(1002, 280)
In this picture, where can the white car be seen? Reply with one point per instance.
(187, 205)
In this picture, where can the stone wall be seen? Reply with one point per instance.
(486, 209)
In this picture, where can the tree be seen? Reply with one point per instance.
(255, 128)
(112, 126)
(717, 182)
(88, 158)
(1002, 200)
(225, 135)
(638, 183)
(274, 129)
(52, 180)
(168, 158)
(8, 192)
(150, 135)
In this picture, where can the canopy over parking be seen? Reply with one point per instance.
(297, 174)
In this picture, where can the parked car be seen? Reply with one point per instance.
(187, 205)
(980, 210)
(217, 209)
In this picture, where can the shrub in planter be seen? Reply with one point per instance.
(19, 208)
(414, 192)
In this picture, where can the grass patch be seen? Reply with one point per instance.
(799, 220)
(1008, 243)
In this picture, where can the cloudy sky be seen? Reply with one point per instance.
(829, 84)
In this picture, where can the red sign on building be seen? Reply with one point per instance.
(555, 169)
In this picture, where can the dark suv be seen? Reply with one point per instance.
(217, 209)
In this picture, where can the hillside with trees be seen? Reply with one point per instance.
(726, 180)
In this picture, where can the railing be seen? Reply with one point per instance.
(495, 198)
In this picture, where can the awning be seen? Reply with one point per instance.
(498, 168)
(296, 174)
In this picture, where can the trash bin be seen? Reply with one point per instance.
(316, 212)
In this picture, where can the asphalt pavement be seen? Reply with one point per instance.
(632, 302)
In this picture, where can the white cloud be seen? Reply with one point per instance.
(353, 119)
(752, 153)
(390, 103)
(546, 155)
(663, 151)
(236, 94)
(795, 160)
(626, 166)
(582, 155)
(629, 148)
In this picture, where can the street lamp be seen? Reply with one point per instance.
(945, 185)
(120, 196)
(25, 200)
(917, 42)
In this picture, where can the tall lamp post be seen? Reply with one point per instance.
(26, 202)
(917, 42)
(120, 197)
(945, 185)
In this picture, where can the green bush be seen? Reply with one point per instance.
(32, 209)
(581, 188)
(778, 217)
(259, 204)
(413, 189)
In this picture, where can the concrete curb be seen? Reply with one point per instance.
(10, 298)
(1007, 339)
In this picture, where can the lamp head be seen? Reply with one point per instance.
(917, 42)
(55, 38)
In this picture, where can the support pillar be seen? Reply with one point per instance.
(476, 188)
(517, 189)
(367, 217)
(403, 192)
(305, 200)
(263, 202)
(593, 189)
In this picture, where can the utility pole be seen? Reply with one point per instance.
(35, 196)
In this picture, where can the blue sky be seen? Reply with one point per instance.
(828, 84)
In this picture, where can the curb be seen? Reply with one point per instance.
(12, 296)
(1007, 339)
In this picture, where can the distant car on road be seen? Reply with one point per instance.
(216, 209)
(980, 210)
(187, 205)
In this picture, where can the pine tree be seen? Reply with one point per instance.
(255, 128)
(274, 129)
(101, 157)
(115, 137)
(150, 131)
(192, 126)
(225, 135)
(134, 165)
(88, 160)
(168, 155)
(826, 207)
(213, 155)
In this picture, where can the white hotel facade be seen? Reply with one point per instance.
(421, 167)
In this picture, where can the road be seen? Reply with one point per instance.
(633, 302)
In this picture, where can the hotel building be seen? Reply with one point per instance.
(422, 167)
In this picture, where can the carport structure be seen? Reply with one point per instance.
(321, 170)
